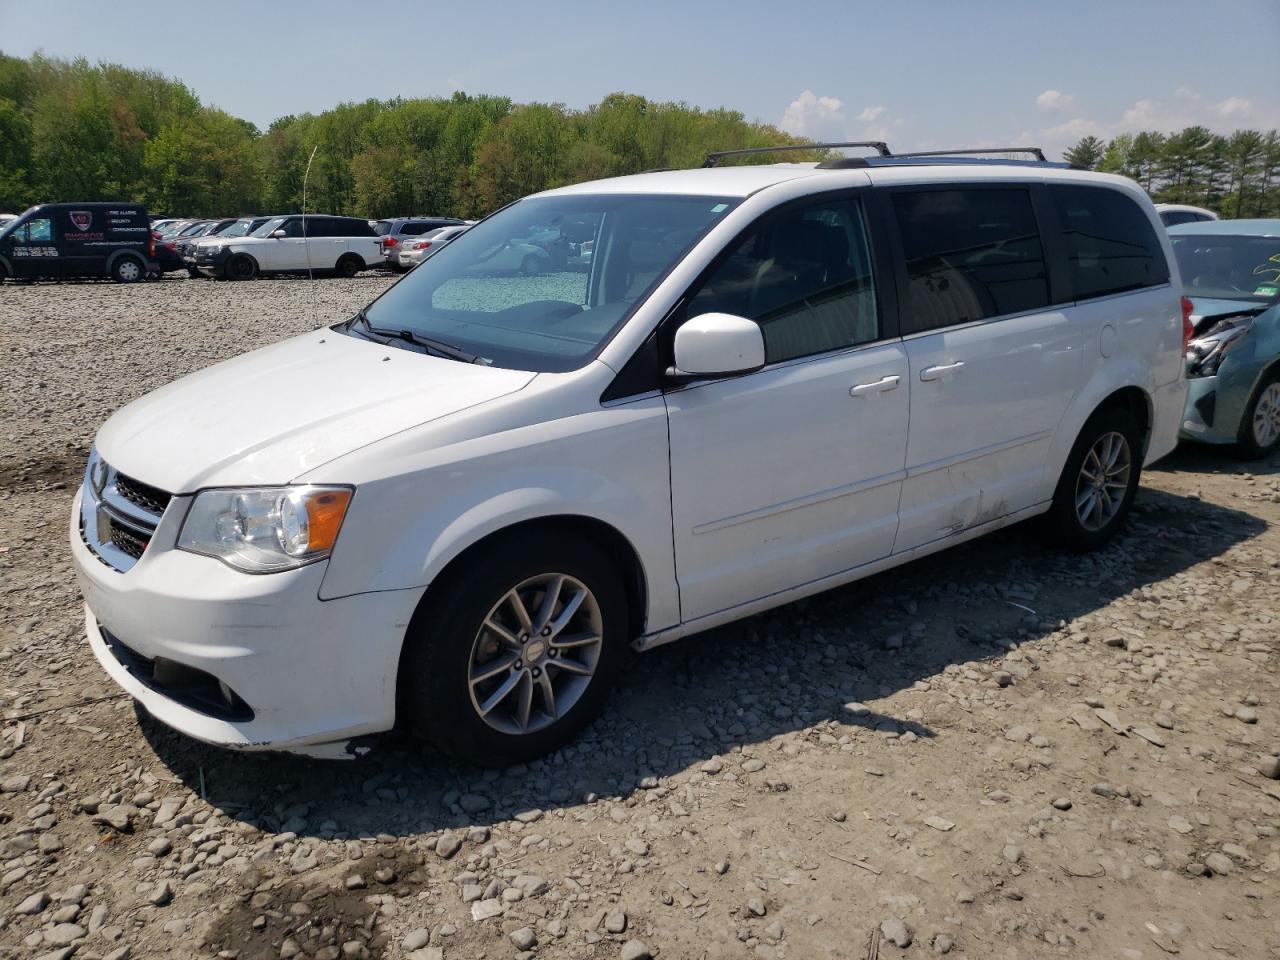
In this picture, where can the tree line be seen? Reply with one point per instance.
(71, 130)
(1236, 175)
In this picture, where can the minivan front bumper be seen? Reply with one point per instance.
(294, 672)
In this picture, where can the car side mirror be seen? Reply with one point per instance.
(717, 345)
(278, 234)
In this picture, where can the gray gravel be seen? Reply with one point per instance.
(1002, 750)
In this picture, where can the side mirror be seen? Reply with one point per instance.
(717, 345)
(278, 234)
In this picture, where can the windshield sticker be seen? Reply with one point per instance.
(1266, 290)
(720, 208)
(1270, 266)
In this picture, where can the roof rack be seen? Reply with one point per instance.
(969, 152)
(877, 145)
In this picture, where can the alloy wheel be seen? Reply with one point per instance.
(1266, 417)
(1103, 481)
(535, 654)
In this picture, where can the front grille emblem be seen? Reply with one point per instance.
(98, 476)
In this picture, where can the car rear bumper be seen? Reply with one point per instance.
(242, 661)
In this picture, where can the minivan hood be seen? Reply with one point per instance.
(272, 415)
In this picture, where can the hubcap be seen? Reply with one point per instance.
(535, 654)
(129, 270)
(1103, 480)
(1266, 416)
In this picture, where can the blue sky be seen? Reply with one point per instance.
(925, 73)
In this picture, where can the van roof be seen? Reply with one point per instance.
(742, 181)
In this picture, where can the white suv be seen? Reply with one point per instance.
(296, 244)
(456, 510)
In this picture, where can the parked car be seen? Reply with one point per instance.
(413, 252)
(7, 218)
(1231, 271)
(292, 244)
(78, 240)
(395, 232)
(227, 230)
(1172, 214)
(168, 253)
(456, 510)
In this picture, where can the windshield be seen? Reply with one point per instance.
(542, 284)
(268, 228)
(238, 229)
(1229, 268)
(9, 226)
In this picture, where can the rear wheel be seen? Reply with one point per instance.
(349, 266)
(128, 270)
(241, 267)
(512, 654)
(1260, 426)
(1099, 481)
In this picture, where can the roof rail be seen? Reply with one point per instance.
(877, 145)
(1034, 151)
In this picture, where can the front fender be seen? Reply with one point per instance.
(417, 508)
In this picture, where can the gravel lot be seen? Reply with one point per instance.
(1000, 752)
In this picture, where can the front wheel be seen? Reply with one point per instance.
(1260, 426)
(128, 270)
(241, 267)
(512, 655)
(1098, 483)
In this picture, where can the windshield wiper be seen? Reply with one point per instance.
(417, 339)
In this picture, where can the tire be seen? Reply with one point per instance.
(128, 270)
(4, 272)
(241, 267)
(442, 689)
(1260, 426)
(349, 266)
(531, 265)
(1077, 521)
(193, 273)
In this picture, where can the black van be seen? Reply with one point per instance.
(79, 240)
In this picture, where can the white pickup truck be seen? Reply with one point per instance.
(292, 244)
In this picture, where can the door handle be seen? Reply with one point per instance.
(883, 385)
(940, 371)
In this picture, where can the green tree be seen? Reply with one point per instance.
(1087, 152)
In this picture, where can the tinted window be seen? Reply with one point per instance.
(320, 227)
(1111, 245)
(291, 228)
(803, 274)
(35, 231)
(415, 229)
(354, 227)
(970, 254)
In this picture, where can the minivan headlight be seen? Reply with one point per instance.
(265, 529)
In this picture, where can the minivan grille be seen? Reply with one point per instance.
(141, 494)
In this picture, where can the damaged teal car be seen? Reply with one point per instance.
(1231, 273)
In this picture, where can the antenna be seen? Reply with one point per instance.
(306, 235)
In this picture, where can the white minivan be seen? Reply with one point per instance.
(457, 509)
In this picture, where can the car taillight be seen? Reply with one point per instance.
(422, 245)
(1188, 328)
(389, 241)
(151, 245)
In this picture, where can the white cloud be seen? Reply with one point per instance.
(1234, 107)
(1055, 101)
(810, 115)
(871, 114)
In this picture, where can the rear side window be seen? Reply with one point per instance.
(352, 227)
(1111, 246)
(415, 229)
(804, 275)
(970, 254)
